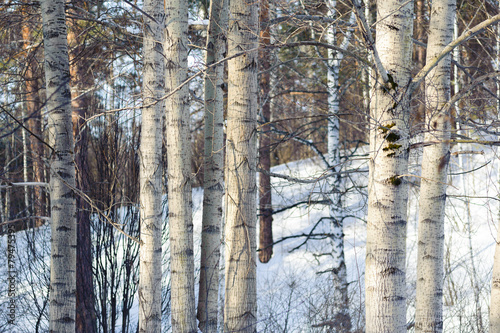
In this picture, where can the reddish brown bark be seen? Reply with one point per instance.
(420, 54)
(265, 198)
(33, 113)
(81, 104)
(421, 33)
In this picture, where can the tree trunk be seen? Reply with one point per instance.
(419, 55)
(81, 81)
(179, 169)
(62, 175)
(240, 308)
(430, 270)
(213, 169)
(265, 198)
(420, 25)
(385, 279)
(7, 173)
(495, 289)
(33, 112)
(432, 200)
(367, 73)
(341, 316)
(495, 285)
(151, 169)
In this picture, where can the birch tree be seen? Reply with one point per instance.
(240, 307)
(341, 317)
(432, 200)
(62, 169)
(495, 285)
(385, 277)
(179, 168)
(213, 167)
(150, 169)
(495, 289)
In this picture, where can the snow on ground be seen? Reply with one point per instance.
(292, 295)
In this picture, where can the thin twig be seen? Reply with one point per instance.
(428, 179)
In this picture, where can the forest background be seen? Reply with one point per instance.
(346, 113)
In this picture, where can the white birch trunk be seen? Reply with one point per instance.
(341, 317)
(3, 217)
(8, 191)
(29, 212)
(432, 200)
(463, 165)
(183, 304)
(385, 279)
(62, 169)
(240, 308)
(213, 167)
(495, 289)
(151, 169)
(495, 285)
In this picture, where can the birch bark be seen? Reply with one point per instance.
(62, 169)
(240, 308)
(430, 269)
(213, 176)
(385, 279)
(153, 89)
(341, 316)
(495, 285)
(495, 289)
(179, 168)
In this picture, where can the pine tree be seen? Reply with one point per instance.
(265, 192)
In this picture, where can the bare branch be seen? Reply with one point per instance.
(310, 181)
(464, 37)
(370, 42)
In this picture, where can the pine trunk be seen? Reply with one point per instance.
(33, 112)
(430, 269)
(81, 82)
(240, 307)
(179, 169)
(265, 197)
(385, 279)
(213, 169)
(150, 151)
(62, 169)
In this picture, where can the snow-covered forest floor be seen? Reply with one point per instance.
(294, 292)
